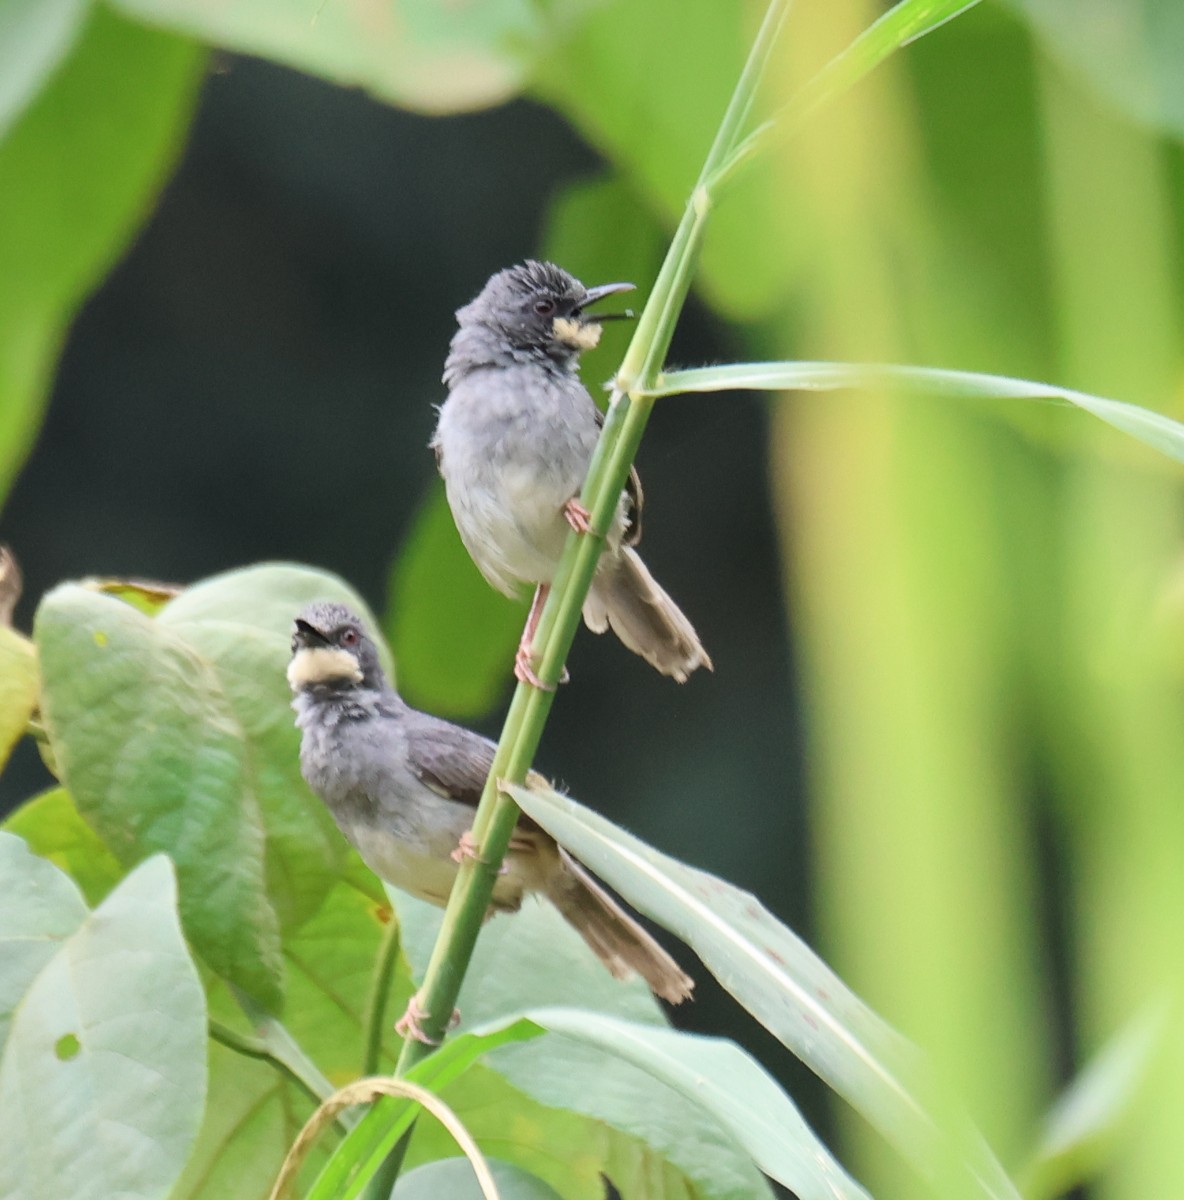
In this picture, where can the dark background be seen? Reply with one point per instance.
(255, 381)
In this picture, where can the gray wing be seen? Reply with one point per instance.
(450, 760)
(454, 762)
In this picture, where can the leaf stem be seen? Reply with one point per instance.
(522, 731)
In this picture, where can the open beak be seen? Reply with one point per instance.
(309, 635)
(599, 293)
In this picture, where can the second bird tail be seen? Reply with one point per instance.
(625, 596)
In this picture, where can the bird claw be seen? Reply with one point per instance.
(524, 671)
(467, 848)
(577, 516)
(408, 1025)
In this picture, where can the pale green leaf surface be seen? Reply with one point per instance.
(77, 170)
(34, 37)
(1080, 1130)
(786, 987)
(1154, 429)
(534, 957)
(103, 1075)
(241, 624)
(39, 909)
(421, 54)
(1129, 50)
(453, 1177)
(176, 734)
(568, 1151)
(18, 688)
(51, 825)
(721, 1080)
(151, 750)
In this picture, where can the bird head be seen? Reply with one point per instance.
(538, 307)
(331, 649)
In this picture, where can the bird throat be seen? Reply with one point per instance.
(312, 665)
(576, 334)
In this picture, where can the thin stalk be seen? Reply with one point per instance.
(380, 989)
(629, 410)
(317, 1088)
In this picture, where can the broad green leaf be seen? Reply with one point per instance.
(722, 1081)
(149, 746)
(18, 688)
(254, 1111)
(39, 909)
(787, 988)
(1130, 50)
(241, 624)
(176, 734)
(534, 958)
(419, 54)
(51, 825)
(454, 637)
(453, 1177)
(103, 1075)
(1080, 1131)
(77, 172)
(1155, 430)
(568, 1151)
(34, 37)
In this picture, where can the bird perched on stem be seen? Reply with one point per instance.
(403, 787)
(514, 441)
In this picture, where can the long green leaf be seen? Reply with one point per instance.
(898, 27)
(726, 1083)
(1154, 429)
(788, 989)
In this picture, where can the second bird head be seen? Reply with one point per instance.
(332, 650)
(539, 308)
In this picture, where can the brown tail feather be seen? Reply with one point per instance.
(626, 596)
(615, 937)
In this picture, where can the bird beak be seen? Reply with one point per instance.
(309, 635)
(599, 293)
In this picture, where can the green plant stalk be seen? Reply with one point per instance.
(629, 411)
(380, 989)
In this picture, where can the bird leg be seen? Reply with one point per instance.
(523, 667)
(467, 848)
(577, 516)
(408, 1025)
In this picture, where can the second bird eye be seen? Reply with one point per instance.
(349, 637)
(544, 307)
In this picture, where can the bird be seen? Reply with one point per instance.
(513, 442)
(403, 787)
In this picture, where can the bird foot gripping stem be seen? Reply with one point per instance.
(409, 1025)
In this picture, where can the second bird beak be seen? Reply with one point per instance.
(599, 293)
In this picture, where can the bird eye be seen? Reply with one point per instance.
(544, 307)
(349, 636)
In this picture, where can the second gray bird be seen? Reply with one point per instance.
(514, 442)
(403, 787)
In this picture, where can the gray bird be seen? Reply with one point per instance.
(514, 441)
(403, 787)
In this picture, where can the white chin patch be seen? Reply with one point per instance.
(576, 334)
(322, 664)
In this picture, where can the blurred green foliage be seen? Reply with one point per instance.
(987, 605)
